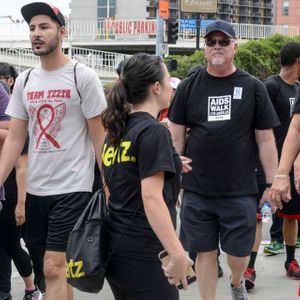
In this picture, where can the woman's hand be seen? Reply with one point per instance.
(280, 191)
(20, 214)
(186, 164)
(175, 269)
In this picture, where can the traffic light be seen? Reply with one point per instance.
(172, 31)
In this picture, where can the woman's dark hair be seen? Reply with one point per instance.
(137, 74)
(8, 71)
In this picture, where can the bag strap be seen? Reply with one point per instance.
(75, 81)
(27, 77)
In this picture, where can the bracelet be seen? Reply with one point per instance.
(282, 176)
(268, 185)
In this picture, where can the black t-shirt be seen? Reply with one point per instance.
(222, 113)
(296, 108)
(283, 97)
(146, 148)
(10, 185)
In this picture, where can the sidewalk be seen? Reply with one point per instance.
(271, 283)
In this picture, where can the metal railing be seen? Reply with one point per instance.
(103, 62)
(134, 30)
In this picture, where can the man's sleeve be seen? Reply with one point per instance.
(91, 91)
(265, 114)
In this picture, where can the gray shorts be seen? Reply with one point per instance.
(206, 220)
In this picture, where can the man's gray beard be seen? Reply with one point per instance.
(217, 61)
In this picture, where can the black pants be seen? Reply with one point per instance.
(5, 270)
(276, 229)
(37, 258)
(10, 235)
(133, 279)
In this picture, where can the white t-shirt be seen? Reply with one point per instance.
(60, 155)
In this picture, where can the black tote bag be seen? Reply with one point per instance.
(86, 252)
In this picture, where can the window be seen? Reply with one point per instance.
(285, 8)
(106, 9)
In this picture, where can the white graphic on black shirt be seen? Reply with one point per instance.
(292, 103)
(219, 108)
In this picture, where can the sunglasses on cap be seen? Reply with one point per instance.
(222, 42)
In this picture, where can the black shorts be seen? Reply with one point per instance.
(50, 219)
(205, 220)
(291, 209)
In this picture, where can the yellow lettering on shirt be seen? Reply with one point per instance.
(110, 153)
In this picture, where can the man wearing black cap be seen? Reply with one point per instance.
(222, 106)
(59, 103)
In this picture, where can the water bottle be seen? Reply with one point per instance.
(266, 212)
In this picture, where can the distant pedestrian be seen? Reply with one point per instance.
(59, 103)
(142, 171)
(222, 106)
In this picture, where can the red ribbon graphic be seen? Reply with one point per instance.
(44, 129)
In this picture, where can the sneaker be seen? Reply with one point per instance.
(298, 242)
(249, 277)
(274, 248)
(220, 270)
(31, 294)
(239, 293)
(292, 269)
(5, 296)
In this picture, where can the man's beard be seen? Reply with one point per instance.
(52, 46)
(217, 60)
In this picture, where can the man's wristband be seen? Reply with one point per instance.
(268, 185)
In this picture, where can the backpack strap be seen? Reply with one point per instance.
(27, 77)
(75, 80)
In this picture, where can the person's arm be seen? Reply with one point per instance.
(297, 173)
(96, 133)
(160, 221)
(281, 189)
(4, 124)
(178, 133)
(3, 135)
(12, 147)
(21, 172)
(268, 157)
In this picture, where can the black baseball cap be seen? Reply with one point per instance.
(41, 8)
(221, 26)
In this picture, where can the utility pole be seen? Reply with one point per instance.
(198, 24)
(159, 49)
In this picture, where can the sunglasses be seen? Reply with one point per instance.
(223, 42)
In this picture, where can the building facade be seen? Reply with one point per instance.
(288, 12)
(103, 9)
(235, 11)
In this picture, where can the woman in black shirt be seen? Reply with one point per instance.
(142, 172)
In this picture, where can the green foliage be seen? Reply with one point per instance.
(258, 57)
